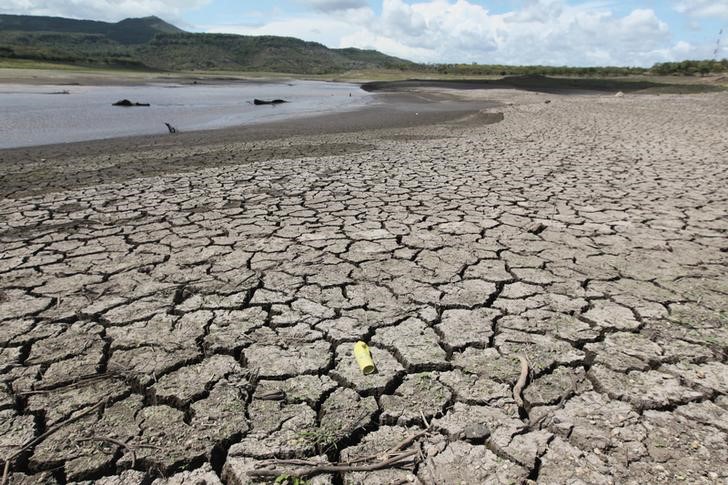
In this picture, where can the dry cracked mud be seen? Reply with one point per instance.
(206, 300)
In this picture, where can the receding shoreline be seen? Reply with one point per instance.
(394, 110)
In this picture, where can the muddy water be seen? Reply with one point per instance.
(38, 115)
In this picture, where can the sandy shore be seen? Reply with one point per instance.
(202, 293)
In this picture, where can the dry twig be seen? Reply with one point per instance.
(393, 450)
(424, 419)
(118, 443)
(314, 468)
(77, 382)
(521, 383)
(379, 461)
(272, 396)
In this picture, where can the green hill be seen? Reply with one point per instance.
(263, 53)
(128, 31)
(154, 44)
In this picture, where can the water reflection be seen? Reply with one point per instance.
(37, 115)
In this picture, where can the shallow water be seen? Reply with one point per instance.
(33, 115)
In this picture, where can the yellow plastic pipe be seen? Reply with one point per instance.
(364, 358)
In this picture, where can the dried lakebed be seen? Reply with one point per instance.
(195, 321)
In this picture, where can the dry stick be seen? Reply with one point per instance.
(80, 381)
(292, 461)
(402, 444)
(332, 467)
(518, 388)
(424, 419)
(113, 442)
(399, 446)
(272, 396)
(30, 443)
(6, 471)
(407, 441)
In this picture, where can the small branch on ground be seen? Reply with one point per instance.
(118, 443)
(315, 468)
(424, 419)
(388, 459)
(393, 450)
(272, 396)
(521, 383)
(77, 382)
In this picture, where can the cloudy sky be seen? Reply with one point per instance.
(554, 32)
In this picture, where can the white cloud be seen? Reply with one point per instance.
(323, 29)
(109, 10)
(703, 8)
(551, 32)
(541, 32)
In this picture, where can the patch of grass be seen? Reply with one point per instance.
(321, 438)
(424, 378)
(711, 340)
(723, 316)
(286, 479)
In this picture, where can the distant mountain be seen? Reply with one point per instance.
(152, 43)
(128, 31)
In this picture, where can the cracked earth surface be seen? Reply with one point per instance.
(210, 297)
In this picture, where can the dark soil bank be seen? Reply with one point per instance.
(542, 84)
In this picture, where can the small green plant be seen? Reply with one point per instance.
(321, 438)
(423, 381)
(286, 479)
(723, 317)
(711, 340)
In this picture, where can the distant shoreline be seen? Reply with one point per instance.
(394, 110)
(373, 80)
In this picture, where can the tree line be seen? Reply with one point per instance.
(682, 68)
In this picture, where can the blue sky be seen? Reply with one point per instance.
(555, 32)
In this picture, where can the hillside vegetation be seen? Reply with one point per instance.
(152, 44)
